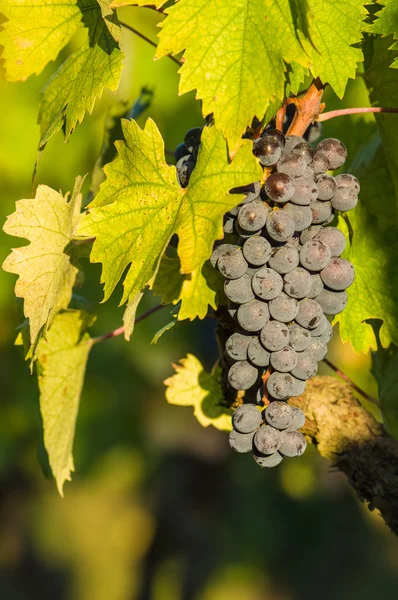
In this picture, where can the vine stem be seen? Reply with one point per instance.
(331, 114)
(348, 380)
(120, 330)
(147, 39)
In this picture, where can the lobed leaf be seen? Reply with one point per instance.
(61, 363)
(386, 23)
(140, 206)
(192, 386)
(46, 274)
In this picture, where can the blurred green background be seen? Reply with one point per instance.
(158, 507)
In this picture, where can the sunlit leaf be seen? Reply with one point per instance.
(46, 275)
(61, 364)
(193, 386)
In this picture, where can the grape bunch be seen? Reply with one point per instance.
(186, 154)
(283, 278)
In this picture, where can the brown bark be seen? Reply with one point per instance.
(347, 434)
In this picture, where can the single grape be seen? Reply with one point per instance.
(348, 180)
(284, 360)
(334, 150)
(279, 225)
(292, 443)
(253, 315)
(246, 418)
(184, 168)
(252, 216)
(239, 290)
(338, 275)
(234, 211)
(318, 349)
(276, 135)
(321, 328)
(344, 199)
(280, 385)
(267, 150)
(192, 138)
(333, 238)
(327, 335)
(279, 415)
(332, 303)
(283, 308)
(257, 354)
(267, 283)
(301, 215)
(305, 190)
(315, 255)
(316, 285)
(321, 211)
(257, 251)
(310, 233)
(229, 224)
(219, 251)
(297, 283)
(320, 163)
(298, 415)
(242, 375)
(180, 151)
(237, 344)
(299, 337)
(279, 187)
(241, 442)
(292, 164)
(284, 259)
(297, 390)
(294, 240)
(251, 191)
(305, 150)
(267, 461)
(326, 186)
(274, 335)
(306, 366)
(309, 313)
(266, 439)
(232, 263)
(291, 142)
(195, 152)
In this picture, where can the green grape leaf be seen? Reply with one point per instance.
(81, 79)
(196, 291)
(374, 293)
(155, 3)
(61, 364)
(383, 85)
(193, 386)
(224, 66)
(385, 371)
(386, 24)
(140, 206)
(163, 330)
(46, 274)
(238, 67)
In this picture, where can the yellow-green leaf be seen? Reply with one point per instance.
(140, 206)
(36, 31)
(119, 3)
(386, 23)
(46, 275)
(61, 363)
(193, 386)
(80, 80)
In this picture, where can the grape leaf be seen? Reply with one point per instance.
(238, 67)
(46, 275)
(197, 291)
(385, 371)
(36, 32)
(192, 386)
(163, 330)
(155, 3)
(386, 24)
(80, 80)
(61, 364)
(226, 66)
(374, 293)
(140, 206)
